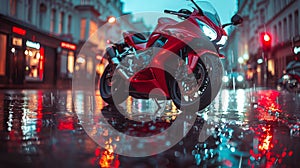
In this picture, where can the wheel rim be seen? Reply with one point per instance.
(190, 90)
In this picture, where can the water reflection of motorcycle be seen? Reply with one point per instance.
(291, 79)
(145, 68)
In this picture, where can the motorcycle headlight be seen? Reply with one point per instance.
(207, 30)
(222, 41)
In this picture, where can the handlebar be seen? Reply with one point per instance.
(169, 11)
(176, 13)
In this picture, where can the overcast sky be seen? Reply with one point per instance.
(225, 8)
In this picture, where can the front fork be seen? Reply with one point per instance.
(191, 58)
(114, 57)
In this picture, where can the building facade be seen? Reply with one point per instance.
(41, 39)
(278, 18)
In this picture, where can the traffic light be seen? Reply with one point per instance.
(266, 41)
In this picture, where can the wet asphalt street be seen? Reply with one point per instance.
(244, 128)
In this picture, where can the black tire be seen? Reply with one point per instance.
(106, 87)
(204, 99)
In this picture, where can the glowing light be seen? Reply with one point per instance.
(68, 45)
(30, 53)
(13, 50)
(241, 60)
(18, 30)
(259, 61)
(38, 55)
(81, 60)
(26, 52)
(42, 61)
(296, 50)
(240, 78)
(246, 56)
(266, 140)
(111, 20)
(225, 79)
(267, 37)
(33, 44)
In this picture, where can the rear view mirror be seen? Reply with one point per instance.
(236, 19)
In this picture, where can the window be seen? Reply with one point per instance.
(85, 2)
(296, 23)
(61, 23)
(52, 20)
(71, 62)
(67, 63)
(69, 24)
(93, 27)
(13, 7)
(29, 12)
(290, 24)
(82, 28)
(262, 14)
(42, 16)
(285, 30)
(275, 34)
(3, 43)
(279, 32)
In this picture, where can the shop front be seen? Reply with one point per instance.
(66, 54)
(30, 58)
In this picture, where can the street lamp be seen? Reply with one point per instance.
(111, 19)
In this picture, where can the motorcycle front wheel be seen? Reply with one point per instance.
(112, 84)
(208, 76)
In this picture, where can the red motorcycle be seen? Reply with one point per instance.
(179, 60)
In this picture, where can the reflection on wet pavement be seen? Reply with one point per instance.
(243, 128)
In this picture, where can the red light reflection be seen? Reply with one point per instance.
(66, 124)
(267, 102)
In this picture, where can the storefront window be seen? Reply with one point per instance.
(3, 41)
(67, 63)
(34, 68)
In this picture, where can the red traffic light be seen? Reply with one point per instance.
(267, 37)
(266, 40)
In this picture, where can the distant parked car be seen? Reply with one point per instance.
(234, 80)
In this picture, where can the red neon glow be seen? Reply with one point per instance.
(41, 64)
(68, 46)
(39, 123)
(18, 30)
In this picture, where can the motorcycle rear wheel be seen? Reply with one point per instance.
(106, 90)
